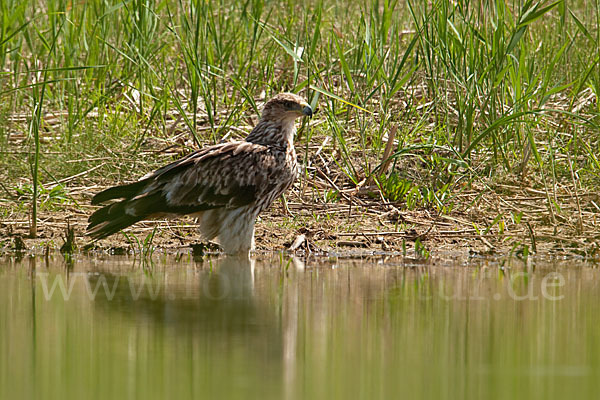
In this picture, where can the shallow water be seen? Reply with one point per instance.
(282, 328)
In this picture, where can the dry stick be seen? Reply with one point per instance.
(297, 243)
(580, 220)
(70, 178)
(12, 197)
(86, 159)
(388, 149)
(485, 242)
(173, 126)
(344, 195)
(548, 199)
(325, 142)
(558, 196)
(554, 183)
(555, 238)
(394, 233)
(575, 110)
(385, 158)
(424, 234)
(532, 236)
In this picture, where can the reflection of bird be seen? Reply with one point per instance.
(226, 185)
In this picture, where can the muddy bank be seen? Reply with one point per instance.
(315, 229)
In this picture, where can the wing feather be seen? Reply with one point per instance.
(225, 175)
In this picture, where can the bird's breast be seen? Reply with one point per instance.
(280, 180)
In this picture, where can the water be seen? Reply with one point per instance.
(279, 328)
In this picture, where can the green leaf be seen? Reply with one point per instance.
(334, 96)
(583, 80)
(287, 49)
(516, 37)
(495, 125)
(534, 14)
(581, 26)
(344, 64)
(534, 148)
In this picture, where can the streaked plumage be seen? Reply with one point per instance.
(225, 186)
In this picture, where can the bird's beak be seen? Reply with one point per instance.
(307, 110)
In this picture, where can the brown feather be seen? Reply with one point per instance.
(226, 185)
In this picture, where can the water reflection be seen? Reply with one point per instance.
(282, 328)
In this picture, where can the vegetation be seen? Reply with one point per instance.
(480, 118)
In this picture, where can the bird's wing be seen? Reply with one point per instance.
(225, 175)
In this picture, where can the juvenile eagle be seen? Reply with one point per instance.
(225, 186)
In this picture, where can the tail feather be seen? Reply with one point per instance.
(109, 227)
(110, 219)
(139, 203)
(117, 216)
(119, 192)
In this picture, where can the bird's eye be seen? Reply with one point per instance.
(288, 104)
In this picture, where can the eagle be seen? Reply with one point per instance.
(225, 186)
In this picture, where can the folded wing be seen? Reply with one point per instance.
(227, 175)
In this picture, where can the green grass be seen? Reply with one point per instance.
(480, 92)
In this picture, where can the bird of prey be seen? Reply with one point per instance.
(225, 185)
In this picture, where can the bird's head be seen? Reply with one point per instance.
(286, 107)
